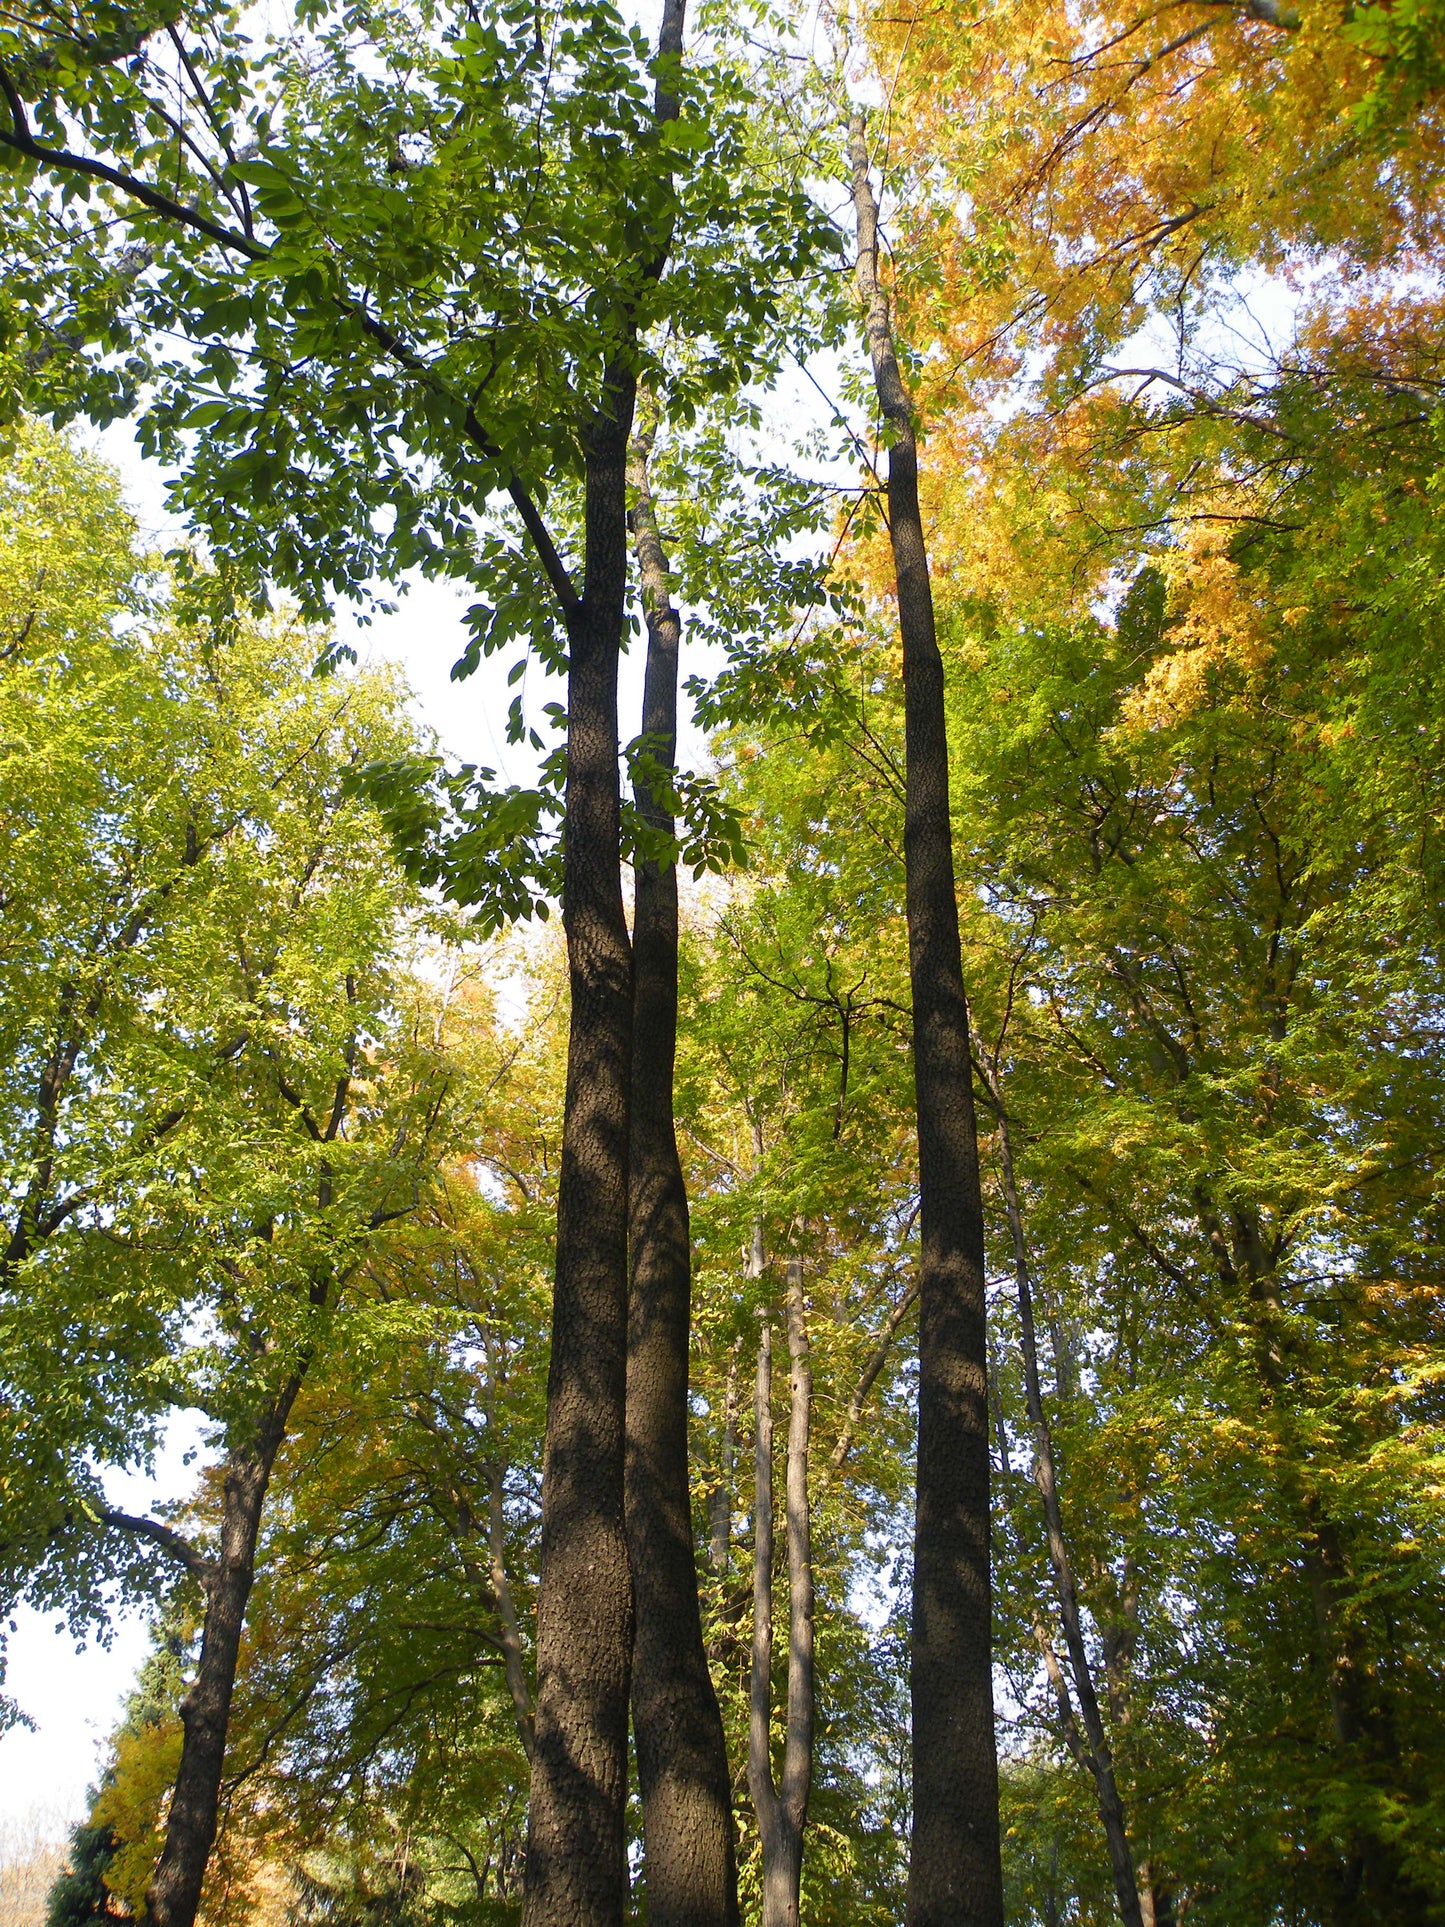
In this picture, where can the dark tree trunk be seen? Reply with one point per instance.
(955, 1876)
(782, 1810)
(682, 1765)
(175, 1892)
(576, 1865)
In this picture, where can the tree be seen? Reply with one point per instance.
(1087, 218)
(212, 1105)
(79, 1894)
(489, 126)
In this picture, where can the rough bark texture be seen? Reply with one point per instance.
(1100, 1758)
(175, 1892)
(576, 1873)
(955, 1876)
(576, 1866)
(783, 1810)
(682, 1765)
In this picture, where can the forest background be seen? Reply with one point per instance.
(1168, 291)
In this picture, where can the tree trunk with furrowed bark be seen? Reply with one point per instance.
(576, 1863)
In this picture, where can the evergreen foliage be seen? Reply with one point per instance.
(80, 1894)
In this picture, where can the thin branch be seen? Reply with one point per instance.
(868, 1377)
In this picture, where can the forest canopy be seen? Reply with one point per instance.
(840, 1327)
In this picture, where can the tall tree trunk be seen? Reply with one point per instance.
(682, 1764)
(175, 1892)
(955, 1876)
(576, 1872)
(576, 1864)
(783, 1810)
(1100, 1755)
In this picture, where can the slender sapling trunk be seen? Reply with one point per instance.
(720, 1499)
(782, 1810)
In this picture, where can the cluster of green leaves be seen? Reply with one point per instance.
(215, 1096)
(498, 852)
(1408, 42)
(494, 851)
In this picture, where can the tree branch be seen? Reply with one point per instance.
(876, 1361)
(166, 1537)
(22, 141)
